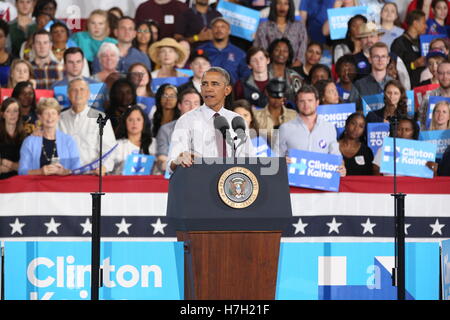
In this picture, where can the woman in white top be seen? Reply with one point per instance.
(441, 116)
(167, 54)
(133, 136)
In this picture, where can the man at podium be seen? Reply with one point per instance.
(210, 131)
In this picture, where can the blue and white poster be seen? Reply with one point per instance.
(262, 149)
(376, 132)
(336, 114)
(338, 19)
(411, 157)
(314, 170)
(441, 138)
(425, 42)
(372, 102)
(432, 101)
(355, 271)
(62, 270)
(97, 96)
(138, 165)
(148, 102)
(244, 21)
(445, 270)
(176, 81)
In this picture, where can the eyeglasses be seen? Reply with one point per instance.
(169, 96)
(143, 31)
(380, 57)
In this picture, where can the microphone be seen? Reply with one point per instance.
(238, 125)
(221, 124)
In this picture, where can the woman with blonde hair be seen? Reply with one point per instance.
(440, 119)
(98, 31)
(21, 70)
(53, 153)
(167, 54)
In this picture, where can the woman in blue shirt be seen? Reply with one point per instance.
(53, 152)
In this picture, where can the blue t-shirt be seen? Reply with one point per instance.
(435, 28)
(231, 58)
(317, 15)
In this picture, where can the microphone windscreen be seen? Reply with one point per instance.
(221, 124)
(238, 123)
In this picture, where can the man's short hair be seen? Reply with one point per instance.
(254, 50)
(222, 71)
(307, 88)
(71, 82)
(379, 45)
(40, 32)
(414, 15)
(73, 50)
(188, 91)
(126, 18)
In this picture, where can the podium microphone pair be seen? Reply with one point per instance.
(238, 125)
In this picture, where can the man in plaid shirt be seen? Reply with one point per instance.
(46, 71)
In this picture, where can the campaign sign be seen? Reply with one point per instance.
(376, 132)
(338, 19)
(176, 81)
(314, 170)
(445, 270)
(355, 271)
(62, 270)
(96, 97)
(410, 102)
(372, 102)
(441, 138)
(262, 149)
(432, 101)
(411, 158)
(421, 92)
(244, 21)
(4, 73)
(148, 102)
(336, 114)
(425, 42)
(138, 165)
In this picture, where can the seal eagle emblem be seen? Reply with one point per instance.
(238, 187)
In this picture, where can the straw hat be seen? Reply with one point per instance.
(369, 29)
(166, 42)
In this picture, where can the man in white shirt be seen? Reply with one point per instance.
(80, 121)
(194, 133)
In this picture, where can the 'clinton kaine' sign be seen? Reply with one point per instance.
(314, 170)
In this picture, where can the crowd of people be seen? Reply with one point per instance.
(150, 67)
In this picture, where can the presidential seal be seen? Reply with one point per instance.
(238, 187)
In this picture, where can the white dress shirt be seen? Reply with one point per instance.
(194, 132)
(83, 127)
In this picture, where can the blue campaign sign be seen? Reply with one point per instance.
(148, 102)
(261, 147)
(244, 21)
(432, 101)
(138, 165)
(441, 138)
(97, 96)
(336, 114)
(314, 170)
(62, 270)
(410, 102)
(338, 19)
(411, 156)
(4, 74)
(425, 42)
(176, 81)
(445, 270)
(355, 271)
(376, 132)
(372, 102)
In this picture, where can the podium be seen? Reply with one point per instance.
(230, 216)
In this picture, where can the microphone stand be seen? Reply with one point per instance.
(96, 217)
(398, 272)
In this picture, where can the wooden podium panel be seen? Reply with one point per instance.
(230, 265)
